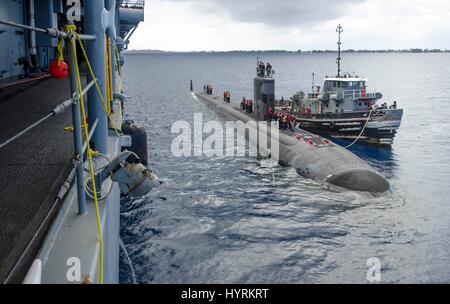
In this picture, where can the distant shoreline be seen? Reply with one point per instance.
(350, 51)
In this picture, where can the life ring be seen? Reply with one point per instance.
(332, 124)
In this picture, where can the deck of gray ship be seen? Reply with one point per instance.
(33, 167)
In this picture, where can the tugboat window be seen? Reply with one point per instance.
(360, 104)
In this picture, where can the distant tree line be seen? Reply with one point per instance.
(290, 52)
(380, 51)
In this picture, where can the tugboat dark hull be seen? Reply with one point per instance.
(379, 130)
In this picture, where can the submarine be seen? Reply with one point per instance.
(312, 156)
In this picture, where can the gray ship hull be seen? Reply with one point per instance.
(52, 230)
(314, 157)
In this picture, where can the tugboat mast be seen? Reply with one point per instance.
(339, 30)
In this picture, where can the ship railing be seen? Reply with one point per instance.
(81, 147)
(52, 32)
(354, 94)
(58, 109)
(313, 95)
(132, 3)
(77, 165)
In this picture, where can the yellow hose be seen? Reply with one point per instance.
(89, 153)
(119, 69)
(109, 74)
(96, 84)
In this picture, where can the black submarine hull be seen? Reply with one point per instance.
(314, 157)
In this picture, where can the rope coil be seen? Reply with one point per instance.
(60, 50)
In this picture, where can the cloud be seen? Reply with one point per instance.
(185, 25)
(275, 13)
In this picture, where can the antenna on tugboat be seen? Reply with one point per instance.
(339, 30)
(313, 81)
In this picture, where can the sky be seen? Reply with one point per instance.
(224, 25)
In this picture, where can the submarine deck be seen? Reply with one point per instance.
(33, 167)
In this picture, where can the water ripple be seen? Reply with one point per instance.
(243, 220)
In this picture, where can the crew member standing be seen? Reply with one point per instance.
(270, 113)
(269, 69)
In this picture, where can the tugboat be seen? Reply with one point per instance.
(344, 109)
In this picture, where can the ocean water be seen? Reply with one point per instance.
(241, 220)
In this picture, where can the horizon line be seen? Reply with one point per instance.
(409, 50)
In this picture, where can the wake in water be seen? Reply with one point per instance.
(242, 220)
(127, 257)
